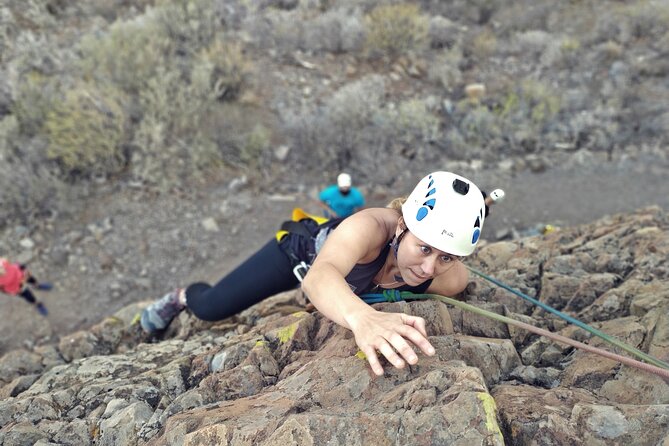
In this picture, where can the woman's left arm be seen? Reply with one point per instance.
(358, 240)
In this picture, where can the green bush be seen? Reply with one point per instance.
(34, 97)
(396, 29)
(85, 131)
(532, 100)
(128, 55)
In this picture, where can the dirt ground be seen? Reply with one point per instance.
(557, 196)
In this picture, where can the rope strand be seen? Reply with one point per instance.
(556, 337)
(396, 295)
(611, 340)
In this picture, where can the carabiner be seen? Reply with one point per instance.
(300, 270)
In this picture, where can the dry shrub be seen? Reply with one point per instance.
(9, 132)
(189, 24)
(255, 143)
(169, 141)
(336, 30)
(646, 19)
(396, 29)
(28, 187)
(85, 131)
(228, 68)
(478, 125)
(483, 45)
(442, 32)
(349, 127)
(351, 111)
(171, 108)
(242, 133)
(444, 69)
(279, 30)
(413, 123)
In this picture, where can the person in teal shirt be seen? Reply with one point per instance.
(341, 199)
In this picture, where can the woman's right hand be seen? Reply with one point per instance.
(392, 335)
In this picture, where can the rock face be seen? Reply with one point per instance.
(277, 375)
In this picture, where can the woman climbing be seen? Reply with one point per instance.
(413, 245)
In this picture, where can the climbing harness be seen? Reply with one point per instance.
(396, 295)
(308, 226)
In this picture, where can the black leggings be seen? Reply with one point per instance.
(28, 296)
(26, 293)
(264, 274)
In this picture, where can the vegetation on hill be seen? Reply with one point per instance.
(166, 93)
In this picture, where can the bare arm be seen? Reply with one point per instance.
(359, 239)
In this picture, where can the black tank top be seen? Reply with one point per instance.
(361, 276)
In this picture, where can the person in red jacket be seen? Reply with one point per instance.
(14, 280)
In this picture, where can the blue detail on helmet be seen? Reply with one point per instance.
(476, 235)
(429, 204)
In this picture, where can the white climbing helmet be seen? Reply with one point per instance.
(446, 211)
(344, 180)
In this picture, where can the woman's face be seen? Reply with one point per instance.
(419, 261)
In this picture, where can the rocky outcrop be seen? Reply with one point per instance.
(278, 375)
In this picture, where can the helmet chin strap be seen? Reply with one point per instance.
(395, 243)
(395, 246)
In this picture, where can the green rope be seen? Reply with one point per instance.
(611, 340)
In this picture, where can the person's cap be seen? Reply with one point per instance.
(344, 180)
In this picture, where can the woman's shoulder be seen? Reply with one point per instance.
(452, 282)
(377, 220)
(382, 215)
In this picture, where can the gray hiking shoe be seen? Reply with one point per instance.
(159, 314)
